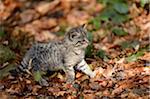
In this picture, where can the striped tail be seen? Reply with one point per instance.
(16, 71)
(24, 67)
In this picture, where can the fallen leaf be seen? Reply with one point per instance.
(45, 7)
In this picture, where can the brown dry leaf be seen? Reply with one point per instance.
(15, 88)
(54, 89)
(130, 83)
(60, 93)
(134, 11)
(83, 77)
(44, 23)
(129, 65)
(28, 81)
(45, 7)
(66, 5)
(91, 6)
(29, 28)
(35, 89)
(44, 36)
(146, 57)
(28, 15)
(106, 93)
(120, 88)
(88, 96)
(135, 96)
(4, 95)
(136, 71)
(145, 79)
(95, 86)
(79, 75)
(41, 29)
(61, 77)
(6, 8)
(76, 17)
(105, 72)
(71, 97)
(99, 71)
(143, 21)
(67, 85)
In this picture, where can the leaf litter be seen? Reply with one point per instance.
(120, 57)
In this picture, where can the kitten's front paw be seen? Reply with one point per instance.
(43, 82)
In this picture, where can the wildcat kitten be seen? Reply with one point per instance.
(59, 55)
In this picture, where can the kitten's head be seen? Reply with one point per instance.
(77, 37)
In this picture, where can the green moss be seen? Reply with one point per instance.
(6, 54)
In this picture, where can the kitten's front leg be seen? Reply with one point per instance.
(83, 66)
(70, 74)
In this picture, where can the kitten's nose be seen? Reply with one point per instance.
(86, 41)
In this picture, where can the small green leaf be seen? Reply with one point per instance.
(96, 23)
(102, 54)
(130, 44)
(90, 36)
(125, 44)
(77, 86)
(119, 32)
(60, 33)
(37, 75)
(119, 18)
(121, 8)
(106, 14)
(62, 30)
(2, 33)
(140, 53)
(143, 2)
(111, 14)
(104, 2)
(134, 57)
(89, 51)
(81, 97)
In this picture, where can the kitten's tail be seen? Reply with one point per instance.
(22, 68)
(15, 72)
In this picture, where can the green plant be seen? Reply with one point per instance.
(143, 2)
(119, 32)
(2, 32)
(102, 54)
(115, 12)
(135, 56)
(89, 49)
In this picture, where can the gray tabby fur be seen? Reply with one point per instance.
(59, 55)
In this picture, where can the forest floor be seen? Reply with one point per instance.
(119, 52)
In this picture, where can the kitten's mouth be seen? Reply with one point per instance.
(85, 44)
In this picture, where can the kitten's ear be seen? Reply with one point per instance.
(84, 26)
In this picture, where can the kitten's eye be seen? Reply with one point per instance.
(74, 36)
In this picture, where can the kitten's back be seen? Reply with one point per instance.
(47, 56)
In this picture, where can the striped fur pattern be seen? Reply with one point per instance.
(60, 55)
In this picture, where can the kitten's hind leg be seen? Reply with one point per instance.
(83, 66)
(37, 74)
(38, 77)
